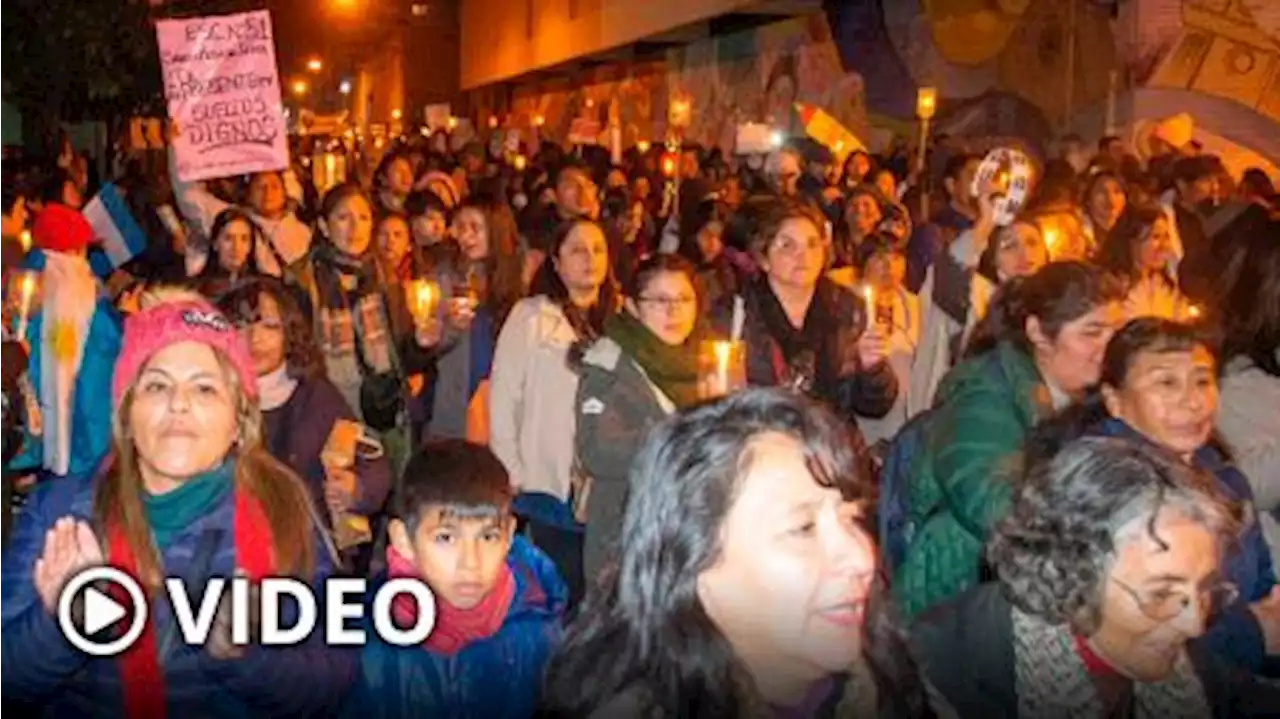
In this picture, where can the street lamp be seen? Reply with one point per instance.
(345, 87)
(299, 87)
(396, 114)
(315, 64)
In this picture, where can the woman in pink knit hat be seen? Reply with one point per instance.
(187, 491)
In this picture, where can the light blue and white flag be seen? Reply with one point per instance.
(121, 237)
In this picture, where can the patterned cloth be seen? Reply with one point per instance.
(1052, 682)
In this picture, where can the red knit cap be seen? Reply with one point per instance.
(59, 228)
(155, 328)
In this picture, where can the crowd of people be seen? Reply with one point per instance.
(975, 466)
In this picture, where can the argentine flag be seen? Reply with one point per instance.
(121, 237)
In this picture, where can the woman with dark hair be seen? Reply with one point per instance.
(857, 170)
(747, 583)
(1249, 318)
(482, 280)
(643, 368)
(392, 182)
(233, 253)
(702, 243)
(393, 243)
(1109, 567)
(533, 386)
(1139, 251)
(801, 329)
(1105, 199)
(1039, 348)
(301, 409)
(1159, 385)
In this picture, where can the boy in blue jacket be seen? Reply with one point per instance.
(499, 600)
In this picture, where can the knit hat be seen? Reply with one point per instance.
(59, 228)
(189, 320)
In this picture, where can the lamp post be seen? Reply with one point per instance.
(315, 65)
(926, 106)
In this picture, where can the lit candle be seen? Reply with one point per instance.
(424, 296)
(520, 162)
(724, 352)
(25, 238)
(26, 289)
(453, 124)
(643, 146)
(1050, 239)
(1194, 312)
(870, 295)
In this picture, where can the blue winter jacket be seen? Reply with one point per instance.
(1234, 634)
(495, 678)
(44, 675)
(91, 399)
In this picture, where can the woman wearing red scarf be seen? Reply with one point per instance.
(187, 491)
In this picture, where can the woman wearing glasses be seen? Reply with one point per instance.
(801, 329)
(644, 368)
(1159, 385)
(1108, 566)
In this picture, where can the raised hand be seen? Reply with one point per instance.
(69, 547)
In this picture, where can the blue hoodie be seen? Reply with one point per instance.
(495, 678)
(1234, 633)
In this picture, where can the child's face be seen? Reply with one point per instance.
(459, 557)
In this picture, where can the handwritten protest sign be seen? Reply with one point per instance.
(223, 91)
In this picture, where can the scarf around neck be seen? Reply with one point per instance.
(673, 369)
(276, 387)
(1052, 680)
(455, 629)
(805, 349)
(177, 509)
(341, 278)
(143, 685)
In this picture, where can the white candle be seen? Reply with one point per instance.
(723, 352)
(26, 289)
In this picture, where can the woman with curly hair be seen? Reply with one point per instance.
(747, 584)
(301, 409)
(1109, 565)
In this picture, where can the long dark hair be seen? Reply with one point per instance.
(1118, 253)
(587, 323)
(644, 630)
(694, 219)
(505, 262)
(212, 270)
(1145, 334)
(1061, 292)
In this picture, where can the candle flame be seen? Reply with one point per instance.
(25, 238)
(723, 350)
(1194, 311)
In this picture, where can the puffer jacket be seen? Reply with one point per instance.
(44, 675)
(495, 678)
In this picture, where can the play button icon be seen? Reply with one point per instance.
(101, 610)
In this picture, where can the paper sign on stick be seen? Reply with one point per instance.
(223, 91)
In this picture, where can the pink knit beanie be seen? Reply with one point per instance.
(155, 328)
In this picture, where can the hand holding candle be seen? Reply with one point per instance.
(721, 368)
(26, 286)
(423, 300)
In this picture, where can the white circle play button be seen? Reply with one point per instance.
(100, 611)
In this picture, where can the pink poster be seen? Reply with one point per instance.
(223, 92)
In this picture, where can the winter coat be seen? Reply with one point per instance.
(929, 240)
(296, 433)
(90, 405)
(44, 675)
(869, 392)
(1235, 634)
(1250, 425)
(495, 678)
(986, 407)
(531, 406)
(966, 651)
(617, 406)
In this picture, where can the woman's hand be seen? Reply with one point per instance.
(220, 644)
(427, 332)
(461, 312)
(873, 346)
(69, 547)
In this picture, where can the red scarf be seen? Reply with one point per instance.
(455, 628)
(1093, 663)
(144, 692)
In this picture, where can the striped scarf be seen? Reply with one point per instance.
(352, 308)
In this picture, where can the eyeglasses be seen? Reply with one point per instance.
(792, 246)
(670, 304)
(1163, 605)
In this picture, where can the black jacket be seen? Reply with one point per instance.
(966, 651)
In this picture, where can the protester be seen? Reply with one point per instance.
(393, 181)
(958, 215)
(533, 389)
(428, 219)
(1195, 187)
(896, 310)
(394, 247)
(1041, 346)
(743, 545)
(801, 329)
(1104, 203)
(74, 338)
(642, 369)
(1139, 251)
(864, 211)
(302, 412)
(498, 599)
(233, 254)
(189, 491)
(702, 243)
(1108, 567)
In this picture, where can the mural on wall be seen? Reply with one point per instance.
(1002, 68)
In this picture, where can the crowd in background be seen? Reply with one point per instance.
(1049, 445)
